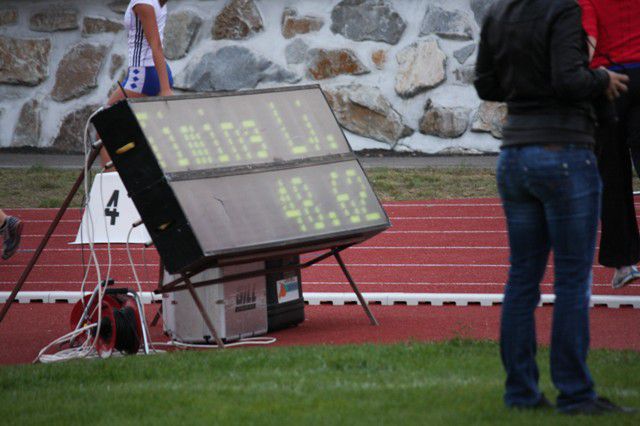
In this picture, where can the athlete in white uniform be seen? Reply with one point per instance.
(143, 76)
(148, 74)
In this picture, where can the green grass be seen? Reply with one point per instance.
(36, 187)
(458, 382)
(46, 187)
(429, 183)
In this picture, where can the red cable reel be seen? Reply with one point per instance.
(120, 325)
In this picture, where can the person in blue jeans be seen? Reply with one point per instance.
(533, 55)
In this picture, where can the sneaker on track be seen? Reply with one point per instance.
(625, 275)
(11, 233)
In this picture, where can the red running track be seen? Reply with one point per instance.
(434, 246)
(30, 327)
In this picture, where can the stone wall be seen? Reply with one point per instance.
(397, 72)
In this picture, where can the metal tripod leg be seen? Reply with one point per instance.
(203, 312)
(355, 289)
(47, 235)
(157, 317)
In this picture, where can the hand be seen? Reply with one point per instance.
(167, 92)
(617, 84)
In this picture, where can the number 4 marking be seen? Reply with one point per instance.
(113, 212)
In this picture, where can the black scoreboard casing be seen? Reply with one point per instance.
(239, 221)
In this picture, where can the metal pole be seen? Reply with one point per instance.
(47, 236)
(160, 281)
(355, 289)
(203, 312)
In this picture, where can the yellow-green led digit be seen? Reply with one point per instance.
(229, 131)
(182, 160)
(142, 118)
(156, 151)
(350, 192)
(289, 208)
(218, 151)
(312, 137)
(331, 140)
(197, 148)
(298, 204)
(254, 140)
(295, 149)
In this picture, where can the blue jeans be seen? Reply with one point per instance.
(551, 198)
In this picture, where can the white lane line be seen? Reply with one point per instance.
(328, 284)
(151, 250)
(86, 250)
(425, 265)
(429, 248)
(445, 217)
(74, 265)
(446, 232)
(391, 204)
(317, 265)
(118, 282)
(339, 299)
(441, 205)
(436, 284)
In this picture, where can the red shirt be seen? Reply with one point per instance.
(615, 24)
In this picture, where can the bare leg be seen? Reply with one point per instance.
(3, 217)
(116, 96)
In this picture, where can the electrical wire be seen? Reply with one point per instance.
(145, 327)
(87, 348)
(249, 341)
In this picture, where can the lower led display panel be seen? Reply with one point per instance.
(235, 213)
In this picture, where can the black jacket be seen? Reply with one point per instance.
(533, 55)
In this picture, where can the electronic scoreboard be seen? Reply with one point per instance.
(240, 174)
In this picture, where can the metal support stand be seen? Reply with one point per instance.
(203, 312)
(158, 315)
(183, 283)
(355, 289)
(36, 255)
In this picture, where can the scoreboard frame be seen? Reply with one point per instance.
(146, 183)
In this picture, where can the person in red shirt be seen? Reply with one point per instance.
(613, 29)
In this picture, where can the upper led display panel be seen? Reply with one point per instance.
(192, 134)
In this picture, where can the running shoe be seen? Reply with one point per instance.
(624, 276)
(11, 232)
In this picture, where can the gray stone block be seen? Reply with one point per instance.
(463, 54)
(54, 19)
(231, 68)
(27, 132)
(364, 111)
(454, 25)
(296, 51)
(361, 20)
(78, 71)
(180, 31)
(24, 61)
(238, 20)
(444, 122)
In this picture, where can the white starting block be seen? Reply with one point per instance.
(112, 213)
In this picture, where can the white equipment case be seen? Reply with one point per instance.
(238, 309)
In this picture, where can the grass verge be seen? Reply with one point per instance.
(36, 187)
(456, 382)
(46, 187)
